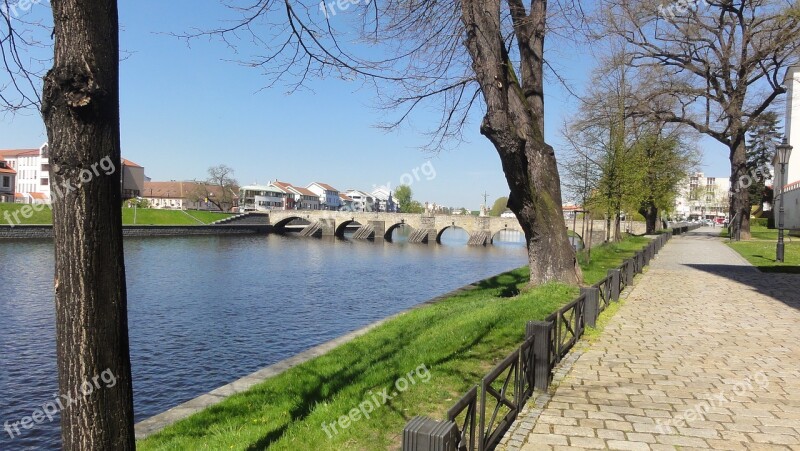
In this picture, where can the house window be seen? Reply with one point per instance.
(44, 182)
(6, 182)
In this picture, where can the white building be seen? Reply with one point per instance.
(384, 200)
(298, 198)
(361, 200)
(328, 196)
(33, 174)
(791, 201)
(262, 198)
(702, 197)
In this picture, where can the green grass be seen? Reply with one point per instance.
(147, 216)
(44, 216)
(760, 250)
(608, 256)
(143, 216)
(761, 254)
(458, 340)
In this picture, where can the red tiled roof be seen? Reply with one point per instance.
(326, 186)
(5, 169)
(344, 196)
(19, 152)
(304, 191)
(178, 190)
(282, 185)
(38, 196)
(130, 163)
(19, 196)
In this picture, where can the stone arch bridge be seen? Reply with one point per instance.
(380, 225)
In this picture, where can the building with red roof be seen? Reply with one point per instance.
(7, 182)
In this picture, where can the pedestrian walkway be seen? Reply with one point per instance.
(705, 354)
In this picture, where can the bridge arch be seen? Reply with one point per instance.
(390, 229)
(451, 226)
(281, 225)
(342, 226)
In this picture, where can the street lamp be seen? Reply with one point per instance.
(782, 152)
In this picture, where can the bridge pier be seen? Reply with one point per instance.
(380, 229)
(328, 226)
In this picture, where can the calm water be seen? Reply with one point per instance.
(205, 311)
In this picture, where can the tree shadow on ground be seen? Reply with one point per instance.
(779, 286)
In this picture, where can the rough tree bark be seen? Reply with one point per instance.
(649, 210)
(81, 113)
(514, 123)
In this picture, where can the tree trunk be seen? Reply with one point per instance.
(81, 113)
(514, 123)
(740, 196)
(650, 213)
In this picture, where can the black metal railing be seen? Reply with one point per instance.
(479, 419)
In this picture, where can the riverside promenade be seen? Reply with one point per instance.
(704, 354)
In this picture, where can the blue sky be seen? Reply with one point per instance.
(185, 108)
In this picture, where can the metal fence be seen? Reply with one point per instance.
(479, 419)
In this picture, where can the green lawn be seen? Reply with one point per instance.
(451, 344)
(143, 216)
(146, 216)
(760, 250)
(30, 216)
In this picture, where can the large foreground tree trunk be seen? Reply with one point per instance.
(81, 113)
(514, 123)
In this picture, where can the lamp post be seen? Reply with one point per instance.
(782, 152)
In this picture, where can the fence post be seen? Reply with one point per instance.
(542, 333)
(630, 271)
(591, 307)
(613, 274)
(424, 434)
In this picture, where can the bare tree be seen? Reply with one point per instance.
(219, 189)
(714, 65)
(80, 107)
(425, 59)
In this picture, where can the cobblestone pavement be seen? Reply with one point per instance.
(705, 354)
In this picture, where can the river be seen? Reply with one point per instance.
(204, 311)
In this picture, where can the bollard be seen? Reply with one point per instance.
(591, 307)
(425, 434)
(542, 332)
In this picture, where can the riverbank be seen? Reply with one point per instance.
(24, 214)
(419, 361)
